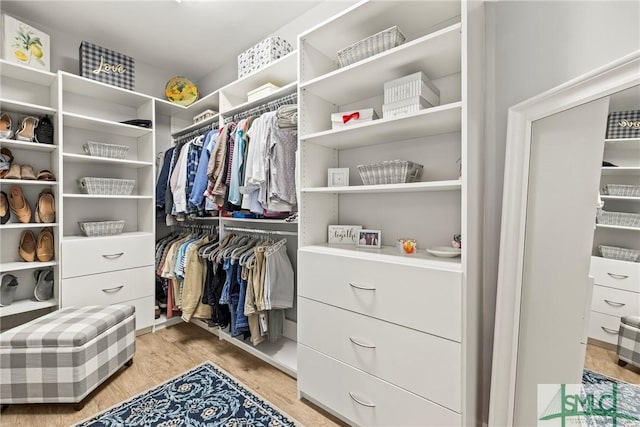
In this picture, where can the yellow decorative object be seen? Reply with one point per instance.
(181, 90)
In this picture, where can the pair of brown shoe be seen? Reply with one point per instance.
(45, 208)
(42, 248)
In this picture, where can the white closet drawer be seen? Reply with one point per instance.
(145, 311)
(101, 254)
(388, 351)
(421, 298)
(604, 327)
(108, 288)
(616, 274)
(352, 393)
(615, 302)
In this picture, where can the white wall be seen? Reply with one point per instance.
(228, 73)
(533, 46)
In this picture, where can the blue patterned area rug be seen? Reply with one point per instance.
(627, 399)
(204, 396)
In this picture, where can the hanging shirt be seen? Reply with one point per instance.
(193, 157)
(196, 197)
(178, 181)
(238, 164)
(161, 185)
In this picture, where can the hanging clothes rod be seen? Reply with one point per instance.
(196, 132)
(264, 108)
(260, 231)
(200, 226)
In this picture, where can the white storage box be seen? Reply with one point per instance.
(204, 116)
(408, 106)
(263, 53)
(416, 84)
(262, 91)
(350, 118)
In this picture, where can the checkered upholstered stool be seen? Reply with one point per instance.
(62, 356)
(629, 341)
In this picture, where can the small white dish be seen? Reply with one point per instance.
(444, 251)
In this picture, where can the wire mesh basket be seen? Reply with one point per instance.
(622, 190)
(621, 254)
(372, 45)
(623, 219)
(101, 228)
(100, 149)
(106, 186)
(390, 172)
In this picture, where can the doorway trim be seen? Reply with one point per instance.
(613, 77)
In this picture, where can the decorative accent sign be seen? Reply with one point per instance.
(107, 66)
(343, 234)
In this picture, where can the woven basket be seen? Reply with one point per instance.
(101, 228)
(390, 172)
(106, 186)
(622, 219)
(621, 190)
(100, 149)
(621, 254)
(372, 45)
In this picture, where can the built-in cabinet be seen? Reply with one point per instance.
(387, 338)
(616, 291)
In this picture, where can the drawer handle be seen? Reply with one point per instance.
(360, 402)
(609, 331)
(615, 304)
(113, 256)
(356, 342)
(113, 290)
(361, 287)
(618, 276)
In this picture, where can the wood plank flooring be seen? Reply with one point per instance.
(163, 355)
(604, 361)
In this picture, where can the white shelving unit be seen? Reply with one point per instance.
(359, 285)
(28, 92)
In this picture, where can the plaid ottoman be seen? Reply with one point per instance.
(629, 341)
(64, 355)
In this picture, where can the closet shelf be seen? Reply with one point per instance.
(20, 226)
(8, 105)
(617, 227)
(195, 126)
(82, 158)
(436, 54)
(164, 322)
(622, 141)
(282, 354)
(24, 145)
(24, 306)
(388, 254)
(18, 265)
(26, 74)
(450, 185)
(28, 182)
(124, 235)
(280, 72)
(72, 83)
(621, 170)
(284, 90)
(432, 121)
(107, 126)
(620, 198)
(103, 196)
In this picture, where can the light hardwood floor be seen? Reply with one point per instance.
(604, 361)
(163, 355)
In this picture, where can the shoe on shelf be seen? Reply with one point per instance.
(5, 213)
(6, 126)
(15, 172)
(45, 175)
(19, 205)
(157, 311)
(44, 131)
(45, 207)
(6, 157)
(27, 128)
(8, 285)
(44, 284)
(44, 248)
(26, 172)
(27, 249)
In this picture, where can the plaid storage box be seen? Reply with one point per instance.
(107, 66)
(628, 348)
(623, 124)
(62, 356)
(263, 53)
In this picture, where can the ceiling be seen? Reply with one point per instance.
(194, 37)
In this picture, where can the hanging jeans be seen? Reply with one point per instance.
(242, 323)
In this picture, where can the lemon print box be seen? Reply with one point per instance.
(181, 90)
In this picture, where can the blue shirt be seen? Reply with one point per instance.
(196, 196)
